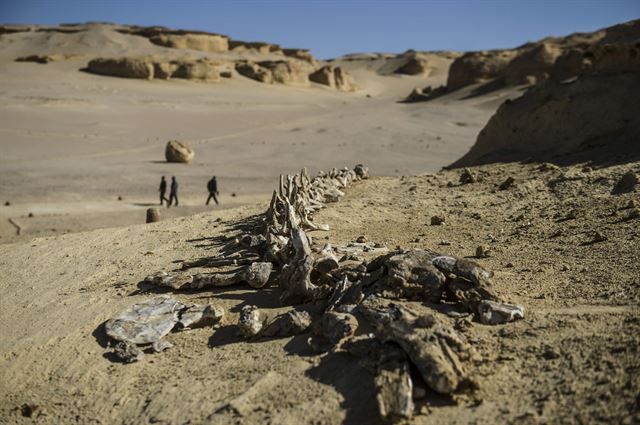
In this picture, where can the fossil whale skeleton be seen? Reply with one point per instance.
(330, 298)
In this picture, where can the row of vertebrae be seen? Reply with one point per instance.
(290, 215)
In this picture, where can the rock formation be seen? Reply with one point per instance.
(478, 67)
(256, 46)
(554, 118)
(148, 68)
(122, 67)
(302, 54)
(289, 72)
(334, 77)
(560, 58)
(202, 42)
(415, 64)
(532, 65)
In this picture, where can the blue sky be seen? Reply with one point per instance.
(331, 28)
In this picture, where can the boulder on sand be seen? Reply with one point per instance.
(178, 152)
(122, 67)
(334, 77)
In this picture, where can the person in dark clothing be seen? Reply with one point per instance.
(163, 190)
(213, 190)
(173, 194)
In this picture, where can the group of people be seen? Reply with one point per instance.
(212, 187)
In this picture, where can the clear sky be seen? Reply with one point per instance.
(331, 28)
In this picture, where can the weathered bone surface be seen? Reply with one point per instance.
(389, 364)
(146, 322)
(256, 275)
(464, 268)
(293, 322)
(409, 274)
(395, 391)
(327, 260)
(295, 279)
(331, 329)
(128, 352)
(346, 295)
(169, 280)
(250, 321)
(432, 346)
(495, 313)
(197, 316)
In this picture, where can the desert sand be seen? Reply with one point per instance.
(563, 241)
(73, 142)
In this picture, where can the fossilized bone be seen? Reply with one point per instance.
(432, 346)
(146, 322)
(256, 275)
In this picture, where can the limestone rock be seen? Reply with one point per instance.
(122, 67)
(334, 77)
(289, 72)
(178, 152)
(476, 67)
(197, 70)
(536, 62)
(193, 41)
(302, 54)
(415, 65)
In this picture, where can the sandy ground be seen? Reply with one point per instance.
(574, 359)
(73, 142)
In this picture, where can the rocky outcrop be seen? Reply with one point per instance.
(478, 67)
(122, 67)
(570, 64)
(257, 46)
(302, 54)
(289, 72)
(149, 69)
(178, 152)
(255, 72)
(202, 42)
(532, 65)
(415, 65)
(334, 77)
(598, 109)
(197, 70)
(559, 58)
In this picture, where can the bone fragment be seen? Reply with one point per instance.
(146, 322)
(293, 322)
(433, 347)
(395, 391)
(197, 316)
(256, 275)
(495, 313)
(168, 280)
(250, 322)
(409, 274)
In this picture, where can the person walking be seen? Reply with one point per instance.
(163, 190)
(212, 186)
(173, 194)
